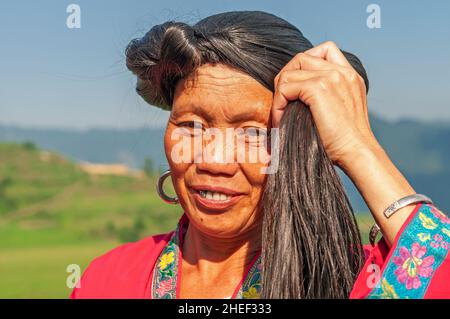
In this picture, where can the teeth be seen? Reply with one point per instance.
(214, 196)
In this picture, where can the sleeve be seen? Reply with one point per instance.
(102, 279)
(416, 266)
(89, 283)
(124, 272)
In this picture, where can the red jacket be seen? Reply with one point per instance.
(126, 271)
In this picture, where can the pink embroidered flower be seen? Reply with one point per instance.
(434, 244)
(412, 266)
(439, 242)
(438, 214)
(164, 287)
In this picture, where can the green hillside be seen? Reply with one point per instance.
(53, 214)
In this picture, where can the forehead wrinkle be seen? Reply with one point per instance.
(220, 86)
(224, 86)
(220, 72)
(217, 77)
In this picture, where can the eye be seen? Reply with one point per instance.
(255, 135)
(191, 124)
(192, 128)
(255, 131)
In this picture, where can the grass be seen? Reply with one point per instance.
(53, 214)
(40, 272)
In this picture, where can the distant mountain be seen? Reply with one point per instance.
(420, 150)
(422, 153)
(130, 146)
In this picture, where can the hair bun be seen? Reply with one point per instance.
(167, 49)
(257, 43)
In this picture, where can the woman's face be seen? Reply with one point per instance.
(217, 115)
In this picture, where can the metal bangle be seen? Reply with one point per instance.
(403, 202)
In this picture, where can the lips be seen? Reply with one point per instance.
(215, 198)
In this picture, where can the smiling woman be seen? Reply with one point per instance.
(216, 99)
(291, 234)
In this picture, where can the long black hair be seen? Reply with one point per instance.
(311, 247)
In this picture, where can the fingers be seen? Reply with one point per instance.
(303, 90)
(326, 82)
(323, 67)
(307, 63)
(287, 82)
(287, 92)
(329, 51)
(334, 74)
(303, 61)
(325, 52)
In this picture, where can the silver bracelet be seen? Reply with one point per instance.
(405, 201)
(395, 206)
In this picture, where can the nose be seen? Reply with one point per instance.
(217, 156)
(216, 168)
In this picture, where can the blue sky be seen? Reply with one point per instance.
(54, 76)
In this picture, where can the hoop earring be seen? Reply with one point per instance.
(160, 189)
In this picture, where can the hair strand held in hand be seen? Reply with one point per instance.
(311, 243)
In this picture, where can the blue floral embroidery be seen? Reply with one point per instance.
(421, 249)
(251, 286)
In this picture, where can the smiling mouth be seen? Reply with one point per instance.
(215, 198)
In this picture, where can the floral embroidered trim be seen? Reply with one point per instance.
(165, 273)
(251, 286)
(164, 284)
(420, 250)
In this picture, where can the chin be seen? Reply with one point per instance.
(226, 224)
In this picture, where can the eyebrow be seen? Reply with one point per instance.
(233, 119)
(192, 110)
(243, 117)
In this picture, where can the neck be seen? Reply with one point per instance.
(200, 249)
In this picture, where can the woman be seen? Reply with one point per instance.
(247, 231)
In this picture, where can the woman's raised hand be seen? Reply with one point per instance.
(325, 81)
(336, 94)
